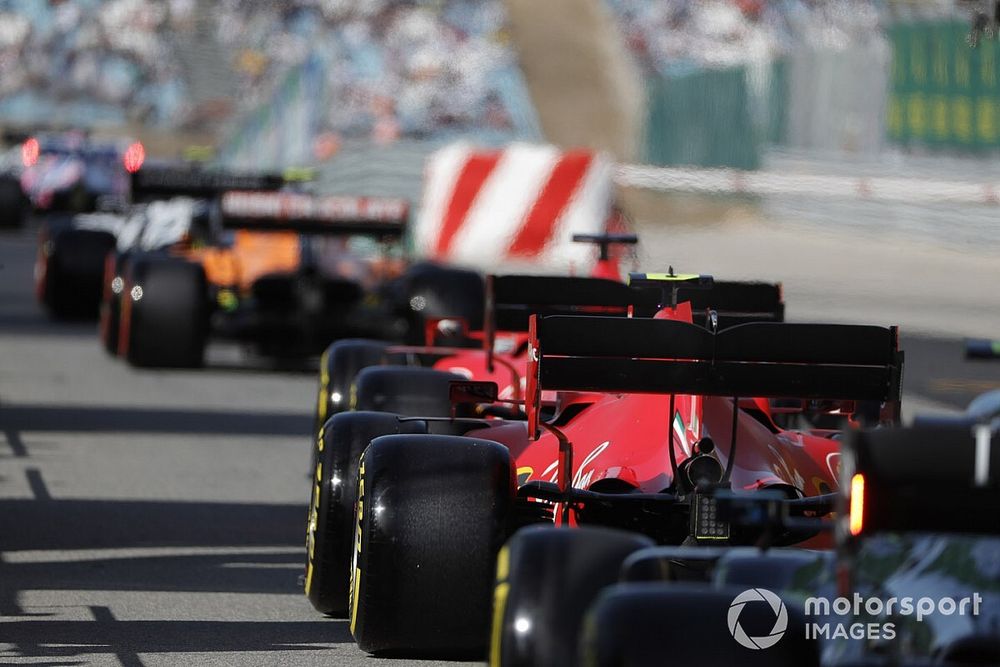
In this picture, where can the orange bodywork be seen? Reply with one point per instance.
(252, 255)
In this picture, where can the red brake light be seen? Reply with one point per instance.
(857, 515)
(29, 152)
(134, 156)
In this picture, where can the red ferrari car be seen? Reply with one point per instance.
(631, 444)
(367, 378)
(495, 347)
(447, 332)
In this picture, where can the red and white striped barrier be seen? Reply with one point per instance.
(514, 206)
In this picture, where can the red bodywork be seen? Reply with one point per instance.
(503, 355)
(625, 437)
(622, 441)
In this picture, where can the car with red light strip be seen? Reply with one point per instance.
(654, 415)
(75, 186)
(163, 207)
(70, 172)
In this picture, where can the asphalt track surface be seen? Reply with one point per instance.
(150, 517)
(157, 517)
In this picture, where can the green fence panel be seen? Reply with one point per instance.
(944, 93)
(701, 118)
(776, 111)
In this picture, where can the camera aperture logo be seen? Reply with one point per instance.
(866, 618)
(780, 618)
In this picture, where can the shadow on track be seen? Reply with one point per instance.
(126, 639)
(15, 418)
(30, 524)
(58, 526)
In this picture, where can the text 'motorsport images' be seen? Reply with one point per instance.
(581, 333)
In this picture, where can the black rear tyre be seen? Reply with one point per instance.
(646, 624)
(71, 271)
(330, 527)
(338, 366)
(13, 203)
(546, 579)
(115, 267)
(432, 512)
(416, 391)
(800, 570)
(341, 361)
(164, 319)
(431, 291)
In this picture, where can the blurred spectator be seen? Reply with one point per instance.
(393, 68)
(397, 67)
(105, 52)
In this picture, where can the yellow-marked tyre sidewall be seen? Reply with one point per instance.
(431, 516)
(331, 520)
(358, 557)
(500, 591)
(312, 523)
(552, 575)
(322, 408)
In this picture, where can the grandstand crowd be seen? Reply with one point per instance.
(391, 68)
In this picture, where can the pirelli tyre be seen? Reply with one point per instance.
(432, 512)
(115, 267)
(69, 271)
(13, 203)
(782, 569)
(431, 291)
(338, 366)
(546, 579)
(330, 526)
(421, 392)
(165, 312)
(648, 624)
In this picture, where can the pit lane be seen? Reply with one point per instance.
(156, 517)
(150, 517)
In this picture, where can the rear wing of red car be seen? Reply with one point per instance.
(736, 302)
(318, 214)
(732, 302)
(511, 301)
(759, 359)
(158, 182)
